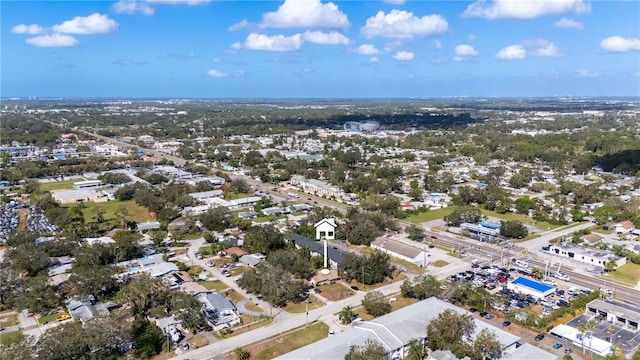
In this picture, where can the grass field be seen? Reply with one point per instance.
(628, 273)
(9, 320)
(283, 344)
(440, 263)
(301, 307)
(261, 219)
(398, 304)
(136, 212)
(213, 285)
(508, 216)
(7, 338)
(58, 185)
(335, 291)
(49, 318)
(431, 215)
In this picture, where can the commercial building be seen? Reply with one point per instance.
(586, 255)
(402, 251)
(531, 287)
(394, 331)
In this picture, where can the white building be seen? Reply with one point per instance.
(316, 187)
(586, 255)
(402, 251)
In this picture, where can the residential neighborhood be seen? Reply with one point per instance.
(358, 236)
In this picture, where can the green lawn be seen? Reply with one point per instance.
(193, 236)
(58, 185)
(137, 213)
(269, 218)
(283, 344)
(7, 338)
(301, 307)
(628, 273)
(508, 216)
(431, 215)
(440, 263)
(213, 285)
(49, 318)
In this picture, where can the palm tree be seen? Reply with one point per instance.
(610, 329)
(416, 350)
(610, 266)
(582, 327)
(346, 315)
(590, 326)
(241, 354)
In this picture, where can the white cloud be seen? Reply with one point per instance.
(367, 49)
(132, 7)
(466, 50)
(547, 49)
(527, 9)
(395, 2)
(273, 43)
(323, 38)
(458, 58)
(124, 62)
(620, 44)
(471, 37)
(87, 25)
(437, 44)
(239, 73)
(306, 14)
(568, 23)
(399, 24)
(241, 25)
(33, 29)
(512, 52)
(216, 74)
(404, 56)
(374, 60)
(586, 73)
(53, 40)
(236, 46)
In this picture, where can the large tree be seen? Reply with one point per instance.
(464, 214)
(449, 329)
(421, 287)
(376, 304)
(372, 350)
(263, 239)
(513, 229)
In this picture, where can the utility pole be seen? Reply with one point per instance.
(306, 311)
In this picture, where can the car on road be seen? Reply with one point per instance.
(557, 346)
(489, 316)
(185, 346)
(506, 323)
(539, 337)
(331, 332)
(472, 310)
(483, 314)
(63, 317)
(568, 351)
(198, 256)
(355, 288)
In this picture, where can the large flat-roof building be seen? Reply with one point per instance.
(531, 287)
(394, 331)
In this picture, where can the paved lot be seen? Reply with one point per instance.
(627, 340)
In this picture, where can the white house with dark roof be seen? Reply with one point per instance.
(402, 251)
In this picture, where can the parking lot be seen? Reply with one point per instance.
(34, 220)
(628, 341)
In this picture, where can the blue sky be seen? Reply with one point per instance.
(313, 48)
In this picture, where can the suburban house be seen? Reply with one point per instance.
(219, 310)
(146, 226)
(86, 309)
(326, 228)
(335, 256)
(591, 238)
(624, 227)
(252, 259)
(402, 251)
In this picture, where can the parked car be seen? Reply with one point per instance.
(483, 313)
(489, 316)
(63, 317)
(539, 337)
(568, 351)
(557, 346)
(506, 323)
(185, 346)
